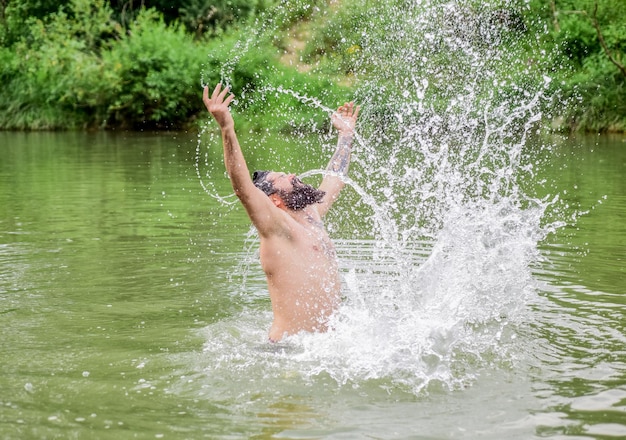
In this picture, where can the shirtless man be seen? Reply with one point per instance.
(296, 253)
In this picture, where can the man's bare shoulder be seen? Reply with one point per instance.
(265, 216)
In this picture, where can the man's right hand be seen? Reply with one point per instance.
(217, 105)
(344, 119)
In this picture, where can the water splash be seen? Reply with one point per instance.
(439, 287)
(207, 185)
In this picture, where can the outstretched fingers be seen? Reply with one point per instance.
(217, 104)
(205, 95)
(216, 91)
(349, 110)
(218, 96)
(229, 99)
(224, 92)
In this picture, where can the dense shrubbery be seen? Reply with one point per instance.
(199, 17)
(156, 74)
(80, 68)
(593, 88)
(101, 64)
(86, 71)
(54, 69)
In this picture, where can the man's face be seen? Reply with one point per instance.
(282, 181)
(295, 194)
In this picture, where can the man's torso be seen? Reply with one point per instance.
(303, 279)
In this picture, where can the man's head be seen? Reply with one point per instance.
(259, 178)
(295, 194)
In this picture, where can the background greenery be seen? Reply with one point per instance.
(593, 84)
(141, 65)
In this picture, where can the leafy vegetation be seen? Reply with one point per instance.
(140, 65)
(588, 34)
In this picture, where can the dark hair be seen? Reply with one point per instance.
(259, 178)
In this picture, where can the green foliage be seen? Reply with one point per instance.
(593, 86)
(278, 110)
(62, 76)
(202, 16)
(54, 70)
(199, 17)
(338, 38)
(259, 81)
(157, 69)
(108, 63)
(599, 99)
(14, 13)
(289, 12)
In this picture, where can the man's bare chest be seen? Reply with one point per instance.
(310, 249)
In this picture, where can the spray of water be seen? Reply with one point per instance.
(439, 286)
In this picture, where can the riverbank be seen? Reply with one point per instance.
(73, 70)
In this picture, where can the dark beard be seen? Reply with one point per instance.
(301, 196)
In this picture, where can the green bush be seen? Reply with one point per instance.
(286, 13)
(81, 69)
(86, 72)
(338, 39)
(55, 79)
(158, 75)
(81, 64)
(199, 17)
(592, 87)
(15, 13)
(210, 16)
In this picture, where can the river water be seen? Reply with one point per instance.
(132, 306)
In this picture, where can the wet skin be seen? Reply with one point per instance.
(296, 253)
(301, 269)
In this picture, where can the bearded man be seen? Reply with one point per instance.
(297, 256)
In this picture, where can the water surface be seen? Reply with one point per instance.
(132, 306)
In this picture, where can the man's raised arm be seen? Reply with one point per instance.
(344, 120)
(257, 204)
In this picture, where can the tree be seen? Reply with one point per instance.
(590, 42)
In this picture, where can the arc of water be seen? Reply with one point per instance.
(211, 193)
(385, 225)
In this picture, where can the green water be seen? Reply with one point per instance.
(117, 271)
